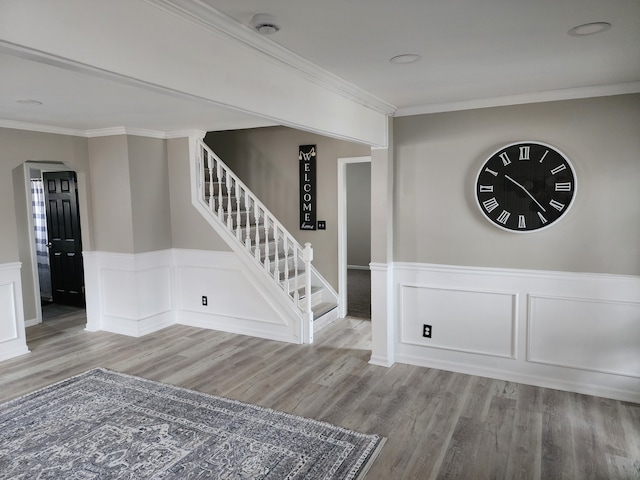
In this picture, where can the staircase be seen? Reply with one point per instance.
(273, 255)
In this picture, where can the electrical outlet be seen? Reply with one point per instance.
(426, 330)
(322, 224)
(204, 300)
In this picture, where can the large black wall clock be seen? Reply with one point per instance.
(525, 186)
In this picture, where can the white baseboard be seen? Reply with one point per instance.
(570, 331)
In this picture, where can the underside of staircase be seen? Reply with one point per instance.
(272, 255)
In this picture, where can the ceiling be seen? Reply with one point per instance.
(474, 53)
(471, 50)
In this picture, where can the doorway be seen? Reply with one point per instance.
(354, 236)
(57, 244)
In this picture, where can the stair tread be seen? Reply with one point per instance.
(314, 289)
(322, 309)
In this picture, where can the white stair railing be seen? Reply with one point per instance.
(248, 221)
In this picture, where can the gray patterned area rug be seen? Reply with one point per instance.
(107, 425)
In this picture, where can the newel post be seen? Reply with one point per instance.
(307, 257)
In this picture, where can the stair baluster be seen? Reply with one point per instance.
(229, 185)
(247, 202)
(276, 260)
(267, 265)
(238, 220)
(256, 215)
(219, 184)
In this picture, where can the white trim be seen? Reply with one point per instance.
(522, 99)
(186, 133)
(36, 127)
(605, 366)
(571, 364)
(207, 17)
(138, 132)
(342, 229)
(100, 132)
(513, 351)
(510, 272)
(627, 395)
(14, 342)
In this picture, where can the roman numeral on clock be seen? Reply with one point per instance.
(559, 168)
(486, 188)
(563, 186)
(524, 152)
(542, 219)
(503, 217)
(522, 223)
(490, 204)
(557, 205)
(505, 158)
(545, 154)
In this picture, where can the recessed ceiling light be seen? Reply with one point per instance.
(28, 101)
(265, 24)
(405, 59)
(589, 29)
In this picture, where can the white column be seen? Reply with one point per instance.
(382, 304)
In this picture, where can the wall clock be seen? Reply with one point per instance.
(525, 186)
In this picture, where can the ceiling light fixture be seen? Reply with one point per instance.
(589, 29)
(405, 59)
(265, 24)
(28, 101)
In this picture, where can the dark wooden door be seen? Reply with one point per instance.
(65, 245)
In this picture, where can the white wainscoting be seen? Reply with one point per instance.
(236, 302)
(129, 294)
(136, 294)
(470, 321)
(12, 333)
(570, 331)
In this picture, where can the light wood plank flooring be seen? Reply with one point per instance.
(439, 425)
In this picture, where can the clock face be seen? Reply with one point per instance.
(525, 187)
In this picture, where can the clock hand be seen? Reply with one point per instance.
(525, 191)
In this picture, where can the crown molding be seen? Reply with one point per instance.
(521, 99)
(100, 132)
(137, 132)
(186, 133)
(207, 17)
(37, 127)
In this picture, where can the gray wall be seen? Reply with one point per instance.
(112, 213)
(16, 148)
(188, 228)
(266, 159)
(359, 214)
(438, 156)
(130, 179)
(149, 175)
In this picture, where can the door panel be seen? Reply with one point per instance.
(65, 245)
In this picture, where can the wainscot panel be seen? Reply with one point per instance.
(129, 294)
(470, 321)
(235, 302)
(570, 331)
(597, 335)
(12, 333)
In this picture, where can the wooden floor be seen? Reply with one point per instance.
(439, 425)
